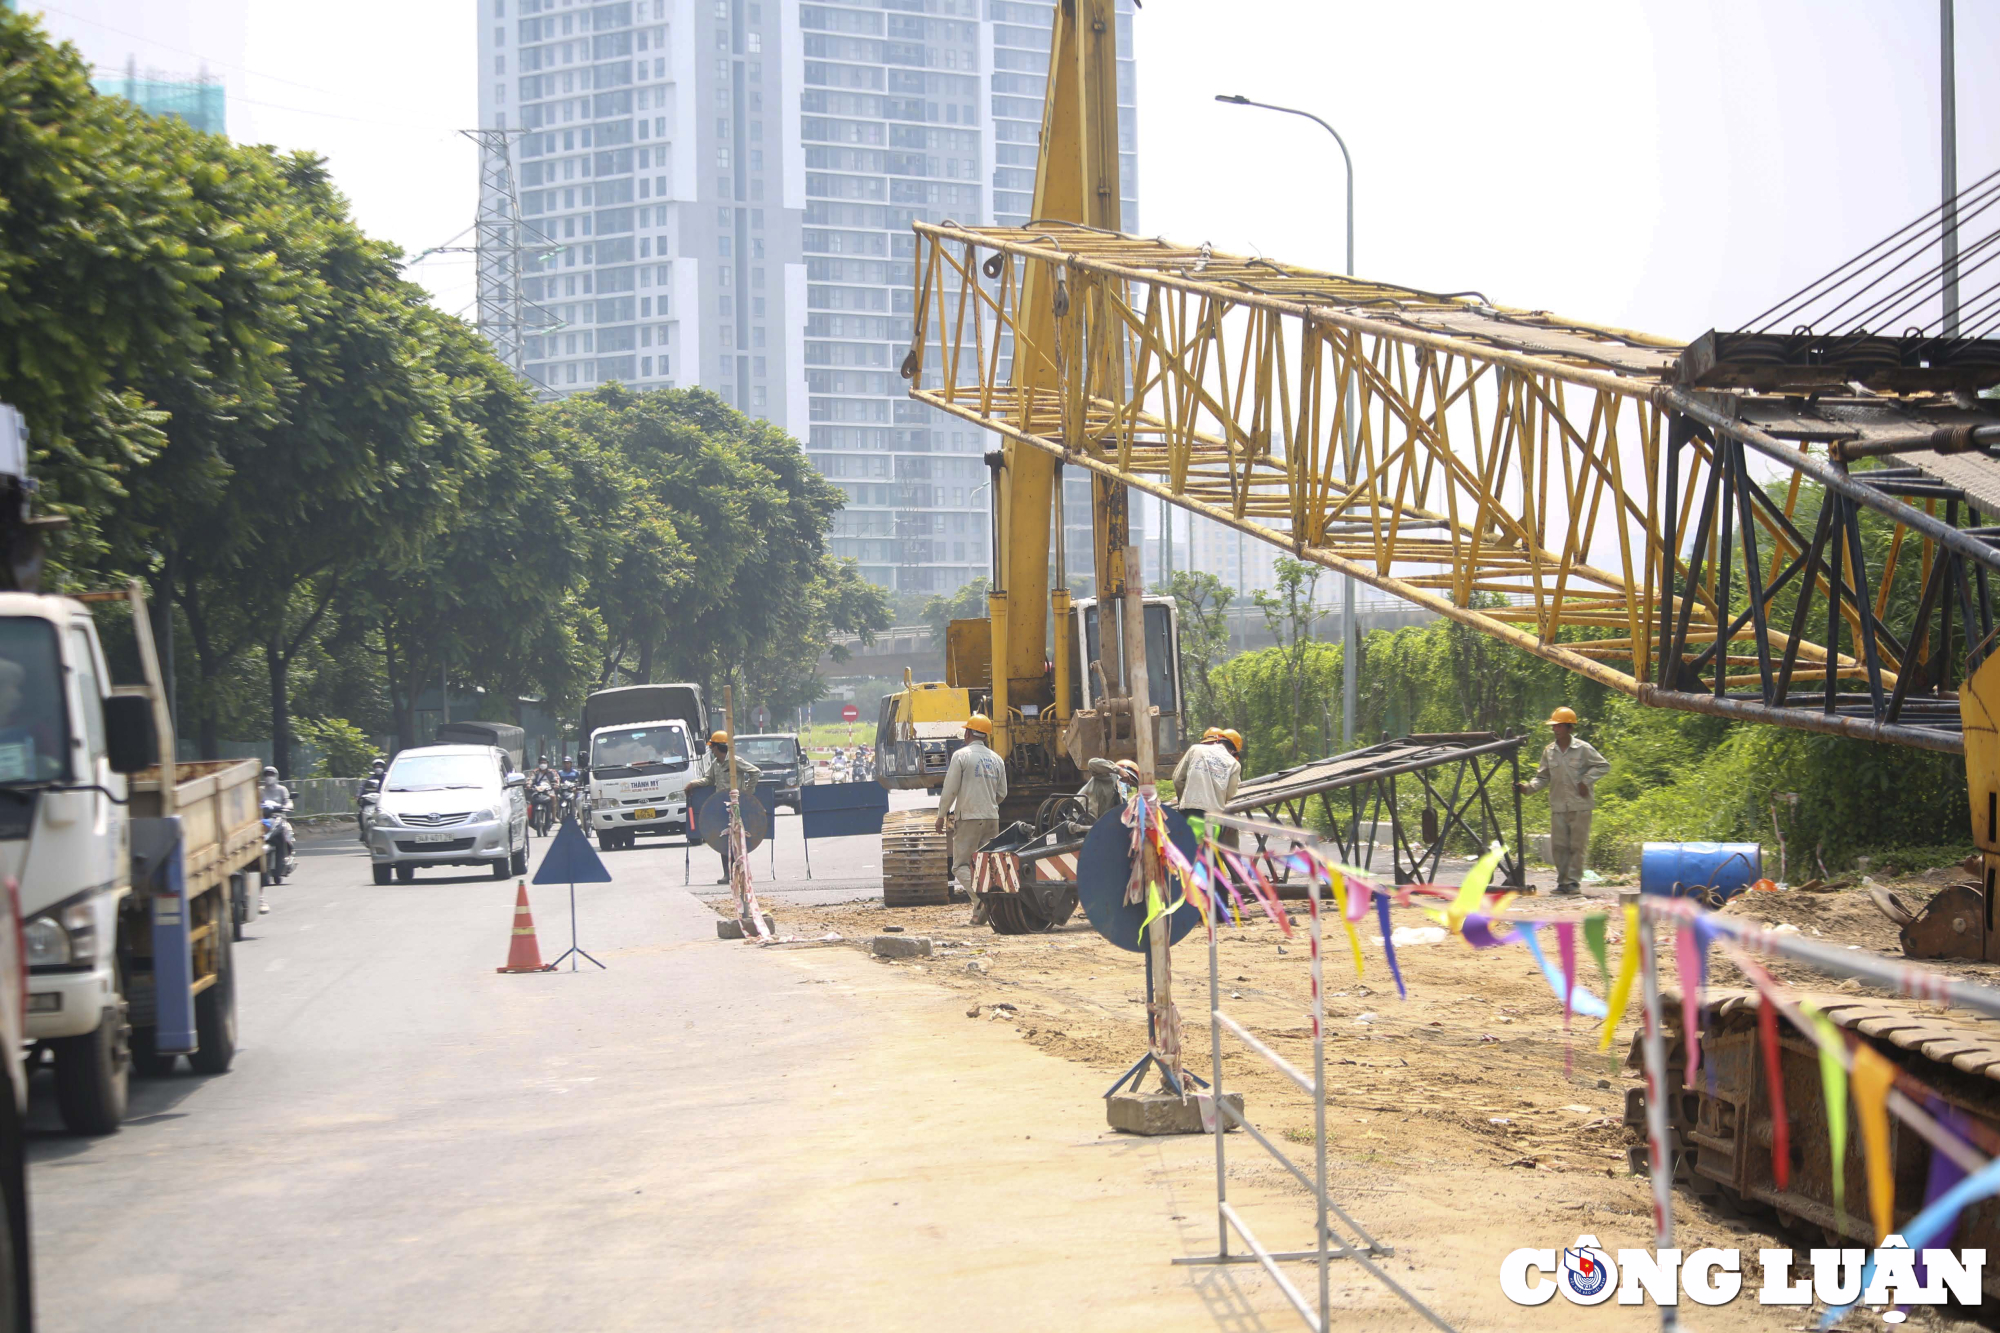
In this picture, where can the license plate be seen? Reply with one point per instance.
(432, 837)
(647, 812)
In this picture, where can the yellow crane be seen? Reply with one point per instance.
(1599, 497)
(1054, 705)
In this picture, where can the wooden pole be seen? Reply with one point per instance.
(1166, 1023)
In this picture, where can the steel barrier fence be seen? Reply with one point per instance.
(1218, 1115)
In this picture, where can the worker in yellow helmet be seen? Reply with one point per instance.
(1570, 771)
(714, 773)
(975, 782)
(1206, 778)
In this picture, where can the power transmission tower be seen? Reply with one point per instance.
(497, 249)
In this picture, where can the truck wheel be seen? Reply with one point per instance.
(17, 1309)
(383, 873)
(146, 1061)
(92, 1074)
(215, 1017)
(606, 840)
(239, 904)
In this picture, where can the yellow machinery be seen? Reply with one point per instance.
(1054, 707)
(1602, 498)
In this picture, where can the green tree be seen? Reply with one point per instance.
(1290, 615)
(1202, 600)
(968, 603)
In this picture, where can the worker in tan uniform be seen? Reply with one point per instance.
(975, 782)
(713, 772)
(1205, 780)
(1569, 772)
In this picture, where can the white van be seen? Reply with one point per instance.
(450, 805)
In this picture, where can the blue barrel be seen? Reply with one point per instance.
(1692, 869)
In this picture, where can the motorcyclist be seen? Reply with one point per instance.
(271, 792)
(541, 792)
(370, 786)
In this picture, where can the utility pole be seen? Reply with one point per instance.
(1948, 109)
(1350, 635)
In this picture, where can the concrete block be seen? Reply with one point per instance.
(902, 946)
(730, 929)
(1159, 1112)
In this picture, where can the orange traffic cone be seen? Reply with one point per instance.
(524, 954)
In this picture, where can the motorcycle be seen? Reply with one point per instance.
(574, 803)
(281, 857)
(541, 808)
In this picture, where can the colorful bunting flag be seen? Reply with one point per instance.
(1389, 944)
(1593, 940)
(1586, 1004)
(1833, 1088)
(1628, 972)
(1774, 1084)
(1566, 949)
(1873, 1075)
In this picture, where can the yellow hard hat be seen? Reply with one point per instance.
(1212, 734)
(719, 738)
(1563, 715)
(980, 723)
(1234, 737)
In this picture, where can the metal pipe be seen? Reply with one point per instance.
(1695, 406)
(1917, 983)
(1961, 438)
(1271, 1266)
(1830, 724)
(1278, 1062)
(1655, 1046)
(1948, 154)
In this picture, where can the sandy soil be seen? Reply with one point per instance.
(1463, 1122)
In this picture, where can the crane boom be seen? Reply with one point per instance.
(1582, 492)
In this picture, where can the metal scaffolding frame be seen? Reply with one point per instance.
(1570, 489)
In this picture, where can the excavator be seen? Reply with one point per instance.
(1599, 497)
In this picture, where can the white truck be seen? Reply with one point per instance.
(642, 744)
(130, 867)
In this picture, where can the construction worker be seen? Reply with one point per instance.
(1108, 787)
(1205, 781)
(715, 774)
(1569, 772)
(975, 782)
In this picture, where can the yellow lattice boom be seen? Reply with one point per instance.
(1507, 468)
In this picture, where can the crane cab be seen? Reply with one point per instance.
(923, 723)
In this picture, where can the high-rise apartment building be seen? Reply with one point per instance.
(720, 192)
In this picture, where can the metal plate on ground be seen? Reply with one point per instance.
(713, 825)
(916, 860)
(1102, 870)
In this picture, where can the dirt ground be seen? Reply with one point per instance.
(1463, 1121)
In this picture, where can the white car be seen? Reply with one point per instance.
(450, 805)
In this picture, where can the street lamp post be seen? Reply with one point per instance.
(1350, 634)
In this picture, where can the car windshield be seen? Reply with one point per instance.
(31, 703)
(437, 772)
(771, 752)
(638, 747)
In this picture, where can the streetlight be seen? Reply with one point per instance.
(1350, 637)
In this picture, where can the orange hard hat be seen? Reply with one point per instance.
(1234, 737)
(718, 738)
(980, 723)
(1564, 714)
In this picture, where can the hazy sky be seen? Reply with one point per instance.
(1670, 166)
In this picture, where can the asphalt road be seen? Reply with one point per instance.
(702, 1135)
